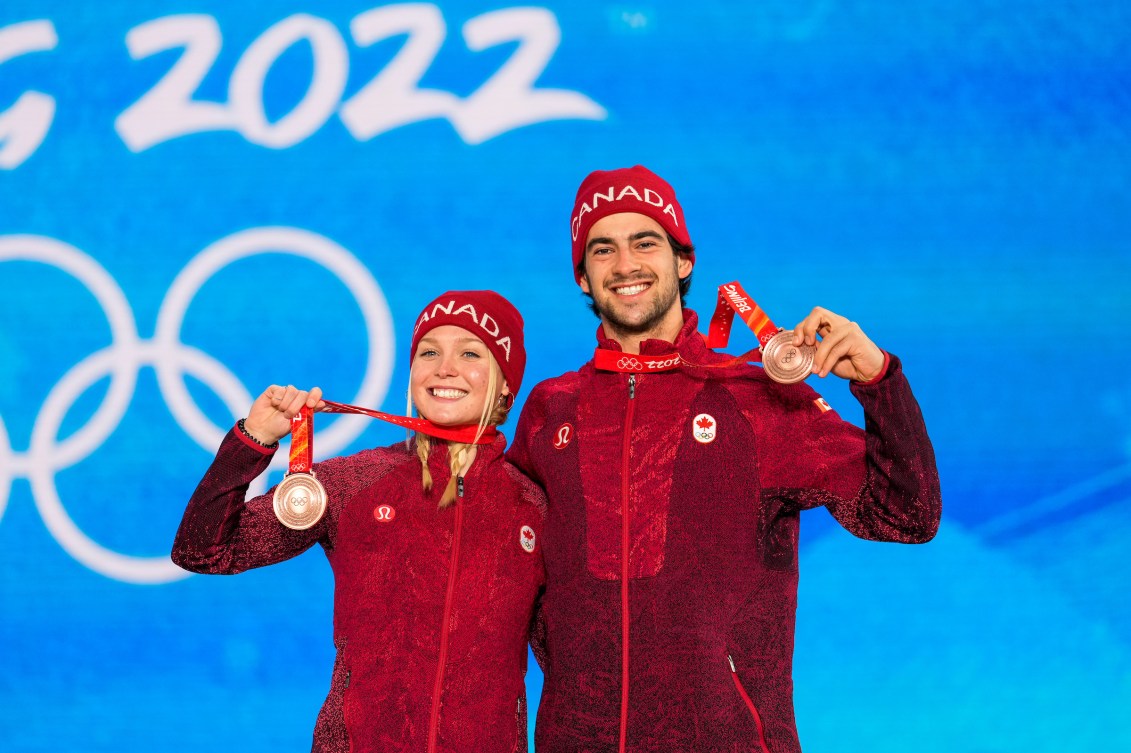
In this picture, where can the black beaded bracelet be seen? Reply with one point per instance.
(246, 433)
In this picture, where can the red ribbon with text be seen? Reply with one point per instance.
(633, 363)
(302, 449)
(734, 300)
(464, 434)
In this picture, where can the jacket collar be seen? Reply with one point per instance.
(692, 349)
(688, 343)
(484, 456)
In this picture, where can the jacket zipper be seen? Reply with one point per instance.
(750, 705)
(624, 548)
(434, 724)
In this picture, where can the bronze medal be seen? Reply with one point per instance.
(300, 501)
(785, 362)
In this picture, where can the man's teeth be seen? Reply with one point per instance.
(632, 289)
(448, 393)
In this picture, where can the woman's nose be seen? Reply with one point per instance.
(446, 367)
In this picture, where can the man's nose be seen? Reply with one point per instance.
(626, 261)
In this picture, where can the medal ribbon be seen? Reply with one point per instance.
(629, 363)
(302, 449)
(734, 300)
(464, 434)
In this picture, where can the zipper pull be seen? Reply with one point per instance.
(459, 486)
(348, 672)
(732, 669)
(631, 386)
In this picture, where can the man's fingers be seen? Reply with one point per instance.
(821, 359)
(839, 350)
(820, 321)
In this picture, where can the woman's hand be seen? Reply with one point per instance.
(269, 419)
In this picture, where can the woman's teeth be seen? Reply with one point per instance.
(447, 393)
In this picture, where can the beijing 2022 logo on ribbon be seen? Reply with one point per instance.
(172, 360)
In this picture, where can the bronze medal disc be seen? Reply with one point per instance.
(785, 362)
(300, 501)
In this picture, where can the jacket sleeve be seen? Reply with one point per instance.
(220, 533)
(531, 421)
(881, 483)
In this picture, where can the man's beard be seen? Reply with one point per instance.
(638, 322)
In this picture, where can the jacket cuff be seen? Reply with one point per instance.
(883, 371)
(251, 441)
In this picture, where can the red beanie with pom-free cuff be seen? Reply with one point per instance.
(488, 316)
(629, 189)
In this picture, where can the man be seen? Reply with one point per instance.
(675, 482)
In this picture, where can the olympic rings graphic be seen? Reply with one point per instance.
(629, 363)
(172, 360)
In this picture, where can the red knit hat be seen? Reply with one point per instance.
(488, 316)
(629, 189)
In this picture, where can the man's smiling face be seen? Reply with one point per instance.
(633, 275)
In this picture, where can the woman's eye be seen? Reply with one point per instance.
(471, 354)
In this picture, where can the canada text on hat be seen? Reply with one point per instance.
(628, 189)
(485, 322)
(647, 196)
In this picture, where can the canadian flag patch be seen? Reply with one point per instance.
(526, 538)
(704, 428)
(822, 405)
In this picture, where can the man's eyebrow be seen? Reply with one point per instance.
(633, 237)
(597, 242)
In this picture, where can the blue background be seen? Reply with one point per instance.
(953, 176)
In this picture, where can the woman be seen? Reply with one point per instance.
(435, 547)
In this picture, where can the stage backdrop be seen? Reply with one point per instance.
(198, 199)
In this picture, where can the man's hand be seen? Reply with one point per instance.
(269, 419)
(843, 349)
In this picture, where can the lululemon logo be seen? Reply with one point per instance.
(563, 437)
(384, 513)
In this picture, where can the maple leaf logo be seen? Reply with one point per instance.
(704, 423)
(527, 534)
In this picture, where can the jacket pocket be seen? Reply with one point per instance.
(331, 730)
(762, 746)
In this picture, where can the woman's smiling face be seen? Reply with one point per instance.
(450, 376)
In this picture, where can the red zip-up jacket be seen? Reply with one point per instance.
(668, 618)
(432, 607)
